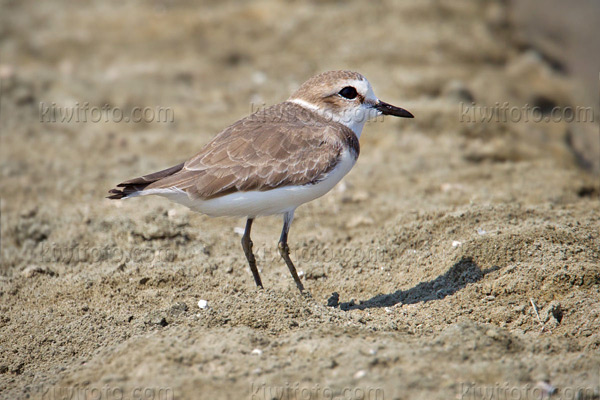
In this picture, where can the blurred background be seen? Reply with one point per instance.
(213, 62)
(464, 188)
(563, 31)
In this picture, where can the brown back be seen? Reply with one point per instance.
(282, 145)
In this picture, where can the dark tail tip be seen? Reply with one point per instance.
(124, 189)
(116, 194)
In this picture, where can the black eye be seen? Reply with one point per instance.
(348, 92)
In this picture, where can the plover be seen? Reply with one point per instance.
(274, 160)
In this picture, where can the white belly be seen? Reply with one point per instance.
(258, 203)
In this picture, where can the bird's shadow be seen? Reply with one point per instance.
(462, 273)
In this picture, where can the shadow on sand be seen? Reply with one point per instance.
(463, 272)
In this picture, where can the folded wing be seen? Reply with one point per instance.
(280, 146)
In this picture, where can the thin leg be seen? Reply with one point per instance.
(247, 246)
(284, 250)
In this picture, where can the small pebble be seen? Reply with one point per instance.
(456, 243)
(334, 300)
(203, 304)
(360, 374)
(257, 352)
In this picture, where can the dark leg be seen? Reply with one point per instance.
(247, 246)
(285, 251)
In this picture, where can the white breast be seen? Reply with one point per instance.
(258, 203)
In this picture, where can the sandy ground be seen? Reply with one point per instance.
(465, 253)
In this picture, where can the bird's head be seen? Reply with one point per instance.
(345, 97)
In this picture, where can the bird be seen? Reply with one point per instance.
(274, 160)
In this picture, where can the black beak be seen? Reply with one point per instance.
(388, 109)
